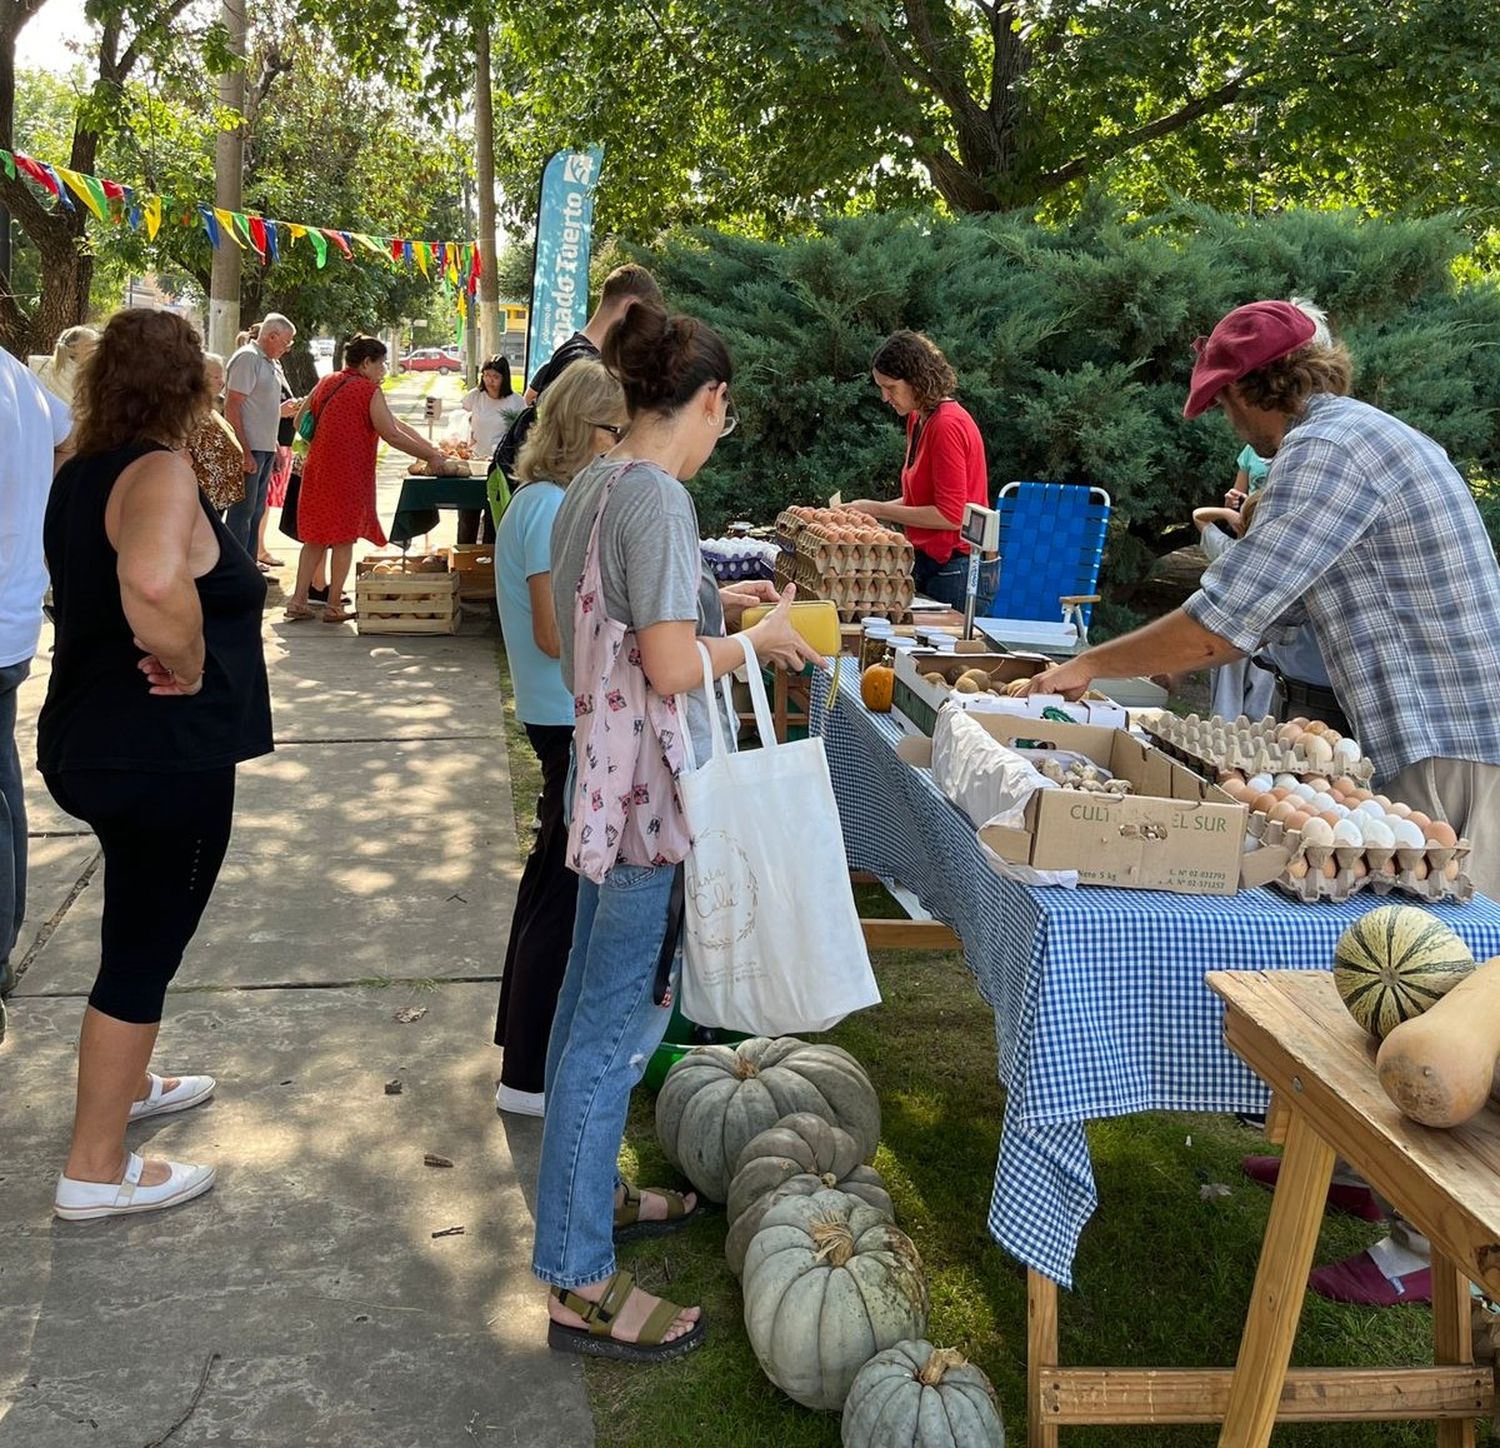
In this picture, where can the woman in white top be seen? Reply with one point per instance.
(491, 407)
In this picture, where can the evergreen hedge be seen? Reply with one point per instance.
(1073, 349)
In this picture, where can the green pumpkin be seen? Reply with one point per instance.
(800, 1155)
(717, 1098)
(913, 1395)
(829, 1282)
(1395, 962)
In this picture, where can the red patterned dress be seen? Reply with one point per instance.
(337, 504)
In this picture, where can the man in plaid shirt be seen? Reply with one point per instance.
(1365, 528)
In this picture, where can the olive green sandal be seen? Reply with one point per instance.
(595, 1341)
(629, 1225)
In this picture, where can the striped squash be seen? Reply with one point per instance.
(1393, 963)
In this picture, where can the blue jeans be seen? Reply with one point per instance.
(603, 1034)
(949, 582)
(12, 818)
(243, 518)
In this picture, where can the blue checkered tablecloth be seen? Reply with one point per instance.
(1100, 1006)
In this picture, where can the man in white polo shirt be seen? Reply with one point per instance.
(252, 407)
(35, 426)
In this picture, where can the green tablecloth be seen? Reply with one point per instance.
(417, 507)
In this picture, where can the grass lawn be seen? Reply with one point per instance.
(1162, 1276)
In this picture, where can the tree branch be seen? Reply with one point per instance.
(1228, 94)
(13, 17)
(946, 81)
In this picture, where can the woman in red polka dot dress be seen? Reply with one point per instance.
(336, 507)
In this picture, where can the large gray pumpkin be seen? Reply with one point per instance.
(800, 1155)
(916, 1396)
(828, 1283)
(717, 1098)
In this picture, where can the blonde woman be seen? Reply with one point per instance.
(581, 416)
(59, 372)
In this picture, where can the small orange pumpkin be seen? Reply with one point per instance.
(876, 685)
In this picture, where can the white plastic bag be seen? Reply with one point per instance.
(772, 943)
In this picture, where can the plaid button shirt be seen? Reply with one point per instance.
(1365, 528)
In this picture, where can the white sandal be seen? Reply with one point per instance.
(189, 1091)
(77, 1201)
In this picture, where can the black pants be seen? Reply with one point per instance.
(476, 525)
(949, 582)
(163, 837)
(541, 930)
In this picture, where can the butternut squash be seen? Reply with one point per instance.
(1439, 1067)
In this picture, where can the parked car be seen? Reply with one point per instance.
(431, 359)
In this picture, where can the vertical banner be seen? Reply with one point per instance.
(564, 226)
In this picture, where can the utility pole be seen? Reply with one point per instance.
(229, 184)
(484, 175)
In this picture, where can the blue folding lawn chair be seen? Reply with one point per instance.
(1051, 547)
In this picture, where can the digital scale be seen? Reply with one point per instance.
(980, 529)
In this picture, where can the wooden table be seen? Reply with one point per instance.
(1292, 1030)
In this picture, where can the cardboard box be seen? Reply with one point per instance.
(915, 702)
(1177, 831)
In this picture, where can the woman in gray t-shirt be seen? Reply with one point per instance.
(675, 373)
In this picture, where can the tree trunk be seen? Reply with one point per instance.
(229, 182)
(484, 175)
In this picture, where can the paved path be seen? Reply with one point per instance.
(372, 870)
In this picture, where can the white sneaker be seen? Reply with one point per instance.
(520, 1103)
(77, 1201)
(189, 1091)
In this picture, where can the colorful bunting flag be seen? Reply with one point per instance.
(209, 217)
(10, 164)
(340, 239)
(87, 190)
(257, 231)
(273, 246)
(152, 210)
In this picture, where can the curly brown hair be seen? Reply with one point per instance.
(1286, 384)
(146, 380)
(912, 358)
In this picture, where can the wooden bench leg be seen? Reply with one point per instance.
(1280, 1282)
(1452, 1339)
(1041, 1355)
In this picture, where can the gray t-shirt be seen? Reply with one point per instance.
(649, 558)
(250, 371)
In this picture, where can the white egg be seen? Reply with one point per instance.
(1348, 750)
(1322, 803)
(1318, 832)
(1408, 836)
(1303, 791)
(1341, 810)
(1375, 810)
(1261, 783)
(1378, 833)
(1283, 781)
(1348, 832)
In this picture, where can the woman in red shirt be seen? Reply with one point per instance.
(944, 469)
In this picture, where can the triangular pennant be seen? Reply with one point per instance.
(273, 245)
(58, 189)
(257, 230)
(209, 216)
(114, 190)
(406, 252)
(87, 190)
(423, 254)
(339, 239)
(316, 240)
(9, 162)
(370, 244)
(226, 221)
(398, 249)
(152, 211)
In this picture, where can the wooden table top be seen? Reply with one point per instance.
(1293, 1030)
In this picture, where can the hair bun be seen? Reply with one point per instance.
(663, 360)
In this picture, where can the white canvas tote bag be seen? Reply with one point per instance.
(771, 938)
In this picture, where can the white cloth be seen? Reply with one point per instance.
(488, 419)
(33, 424)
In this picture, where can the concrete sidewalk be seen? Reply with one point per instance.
(370, 877)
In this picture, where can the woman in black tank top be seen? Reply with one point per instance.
(158, 690)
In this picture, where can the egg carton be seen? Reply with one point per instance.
(1255, 748)
(1335, 872)
(857, 595)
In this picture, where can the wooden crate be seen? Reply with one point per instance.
(474, 563)
(407, 603)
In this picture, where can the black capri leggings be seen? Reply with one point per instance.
(163, 837)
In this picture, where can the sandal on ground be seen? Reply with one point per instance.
(1349, 1197)
(336, 613)
(595, 1341)
(1358, 1279)
(77, 1201)
(190, 1091)
(629, 1225)
(296, 612)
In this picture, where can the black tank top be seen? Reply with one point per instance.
(99, 712)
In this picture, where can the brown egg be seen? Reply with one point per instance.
(1450, 870)
(1420, 820)
(1297, 820)
(1360, 868)
(1346, 785)
(1264, 803)
(1283, 810)
(1388, 867)
(1338, 796)
(1401, 811)
(1297, 870)
(1318, 783)
(1358, 796)
(1330, 818)
(1420, 870)
(1281, 792)
(1301, 721)
(1316, 726)
(1440, 832)
(1330, 868)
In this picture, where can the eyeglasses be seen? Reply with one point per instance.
(612, 428)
